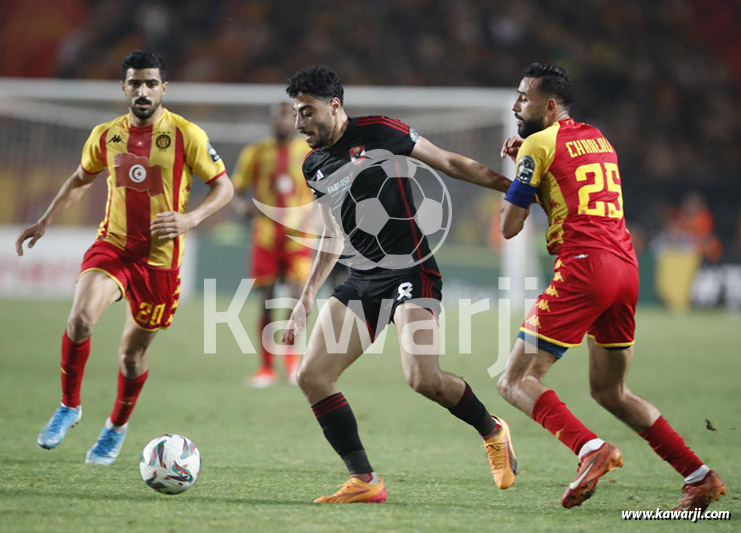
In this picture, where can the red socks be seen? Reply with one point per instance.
(126, 396)
(551, 413)
(74, 357)
(267, 356)
(671, 447)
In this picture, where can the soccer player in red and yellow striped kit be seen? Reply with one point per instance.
(150, 156)
(271, 171)
(574, 170)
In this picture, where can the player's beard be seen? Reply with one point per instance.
(528, 127)
(323, 135)
(144, 114)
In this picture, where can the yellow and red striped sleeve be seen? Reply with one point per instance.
(93, 158)
(244, 173)
(200, 156)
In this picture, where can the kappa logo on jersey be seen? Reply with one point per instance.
(213, 154)
(134, 172)
(116, 139)
(405, 291)
(525, 169)
(357, 153)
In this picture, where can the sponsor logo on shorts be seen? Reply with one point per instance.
(405, 291)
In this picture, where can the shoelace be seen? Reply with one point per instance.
(58, 420)
(108, 441)
(493, 451)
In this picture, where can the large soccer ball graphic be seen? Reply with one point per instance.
(170, 464)
(395, 214)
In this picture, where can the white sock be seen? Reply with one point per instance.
(110, 425)
(589, 447)
(698, 475)
(374, 479)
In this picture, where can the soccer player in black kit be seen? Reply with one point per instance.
(337, 140)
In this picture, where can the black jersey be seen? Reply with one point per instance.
(362, 165)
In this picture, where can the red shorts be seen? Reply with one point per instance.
(152, 293)
(593, 292)
(269, 265)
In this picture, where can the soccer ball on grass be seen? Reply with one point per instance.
(170, 464)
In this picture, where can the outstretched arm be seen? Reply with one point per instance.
(69, 193)
(458, 166)
(512, 219)
(329, 252)
(170, 224)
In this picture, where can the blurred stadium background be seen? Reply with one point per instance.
(662, 83)
(661, 79)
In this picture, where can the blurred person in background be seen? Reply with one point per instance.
(686, 240)
(270, 173)
(150, 156)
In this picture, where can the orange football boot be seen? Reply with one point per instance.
(357, 491)
(593, 466)
(700, 495)
(501, 454)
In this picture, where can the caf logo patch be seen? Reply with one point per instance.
(213, 154)
(163, 141)
(525, 169)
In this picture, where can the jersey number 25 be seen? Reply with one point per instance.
(612, 208)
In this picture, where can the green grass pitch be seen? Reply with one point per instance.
(265, 459)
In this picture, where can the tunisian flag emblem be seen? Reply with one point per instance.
(133, 172)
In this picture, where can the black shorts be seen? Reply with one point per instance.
(378, 296)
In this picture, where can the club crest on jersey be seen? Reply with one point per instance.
(525, 169)
(163, 141)
(357, 153)
(134, 172)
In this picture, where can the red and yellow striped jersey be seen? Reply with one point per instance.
(274, 173)
(150, 170)
(576, 172)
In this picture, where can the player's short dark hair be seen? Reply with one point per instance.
(139, 59)
(316, 81)
(553, 80)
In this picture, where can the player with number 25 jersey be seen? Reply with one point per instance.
(574, 170)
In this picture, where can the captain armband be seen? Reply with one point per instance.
(520, 194)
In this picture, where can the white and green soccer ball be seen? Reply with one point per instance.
(170, 464)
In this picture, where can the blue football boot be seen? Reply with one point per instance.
(60, 422)
(105, 451)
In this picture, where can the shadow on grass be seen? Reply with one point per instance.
(147, 497)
